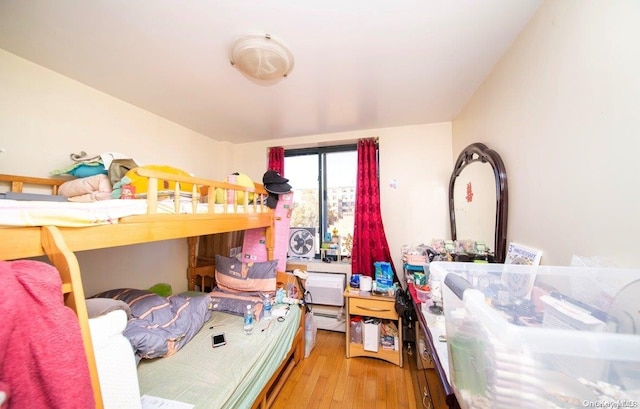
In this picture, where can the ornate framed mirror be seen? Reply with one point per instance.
(478, 199)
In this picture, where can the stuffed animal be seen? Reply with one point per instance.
(237, 179)
(139, 183)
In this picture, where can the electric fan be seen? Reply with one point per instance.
(302, 242)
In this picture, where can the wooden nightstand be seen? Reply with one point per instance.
(366, 305)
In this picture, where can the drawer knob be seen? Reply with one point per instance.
(426, 399)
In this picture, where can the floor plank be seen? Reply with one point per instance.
(328, 380)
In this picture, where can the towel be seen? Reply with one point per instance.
(42, 358)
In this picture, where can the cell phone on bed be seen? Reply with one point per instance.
(218, 340)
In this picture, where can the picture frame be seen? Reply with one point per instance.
(518, 283)
(519, 254)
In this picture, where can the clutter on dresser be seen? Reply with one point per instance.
(416, 254)
(382, 283)
(467, 250)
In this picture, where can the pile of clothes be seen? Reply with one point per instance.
(95, 175)
(113, 164)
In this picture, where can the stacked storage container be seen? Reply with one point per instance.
(542, 336)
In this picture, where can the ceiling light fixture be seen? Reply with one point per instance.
(261, 58)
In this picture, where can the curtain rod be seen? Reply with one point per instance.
(374, 139)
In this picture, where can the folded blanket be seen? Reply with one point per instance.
(81, 169)
(89, 189)
(85, 166)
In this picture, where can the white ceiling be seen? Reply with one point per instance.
(359, 64)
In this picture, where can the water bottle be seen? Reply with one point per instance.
(248, 320)
(266, 302)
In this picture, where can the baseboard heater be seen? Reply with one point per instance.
(329, 317)
(327, 291)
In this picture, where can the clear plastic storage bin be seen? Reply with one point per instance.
(542, 336)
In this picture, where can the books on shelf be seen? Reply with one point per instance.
(389, 336)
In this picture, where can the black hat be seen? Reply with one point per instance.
(272, 200)
(271, 176)
(277, 187)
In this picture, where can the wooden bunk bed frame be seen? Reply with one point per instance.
(60, 243)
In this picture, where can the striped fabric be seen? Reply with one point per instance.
(234, 275)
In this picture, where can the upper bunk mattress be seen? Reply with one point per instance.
(230, 376)
(18, 213)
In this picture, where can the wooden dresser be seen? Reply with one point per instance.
(431, 385)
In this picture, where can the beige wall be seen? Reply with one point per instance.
(418, 158)
(44, 117)
(561, 107)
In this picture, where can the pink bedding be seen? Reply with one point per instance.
(88, 189)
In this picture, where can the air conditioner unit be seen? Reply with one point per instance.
(327, 298)
(302, 242)
(326, 288)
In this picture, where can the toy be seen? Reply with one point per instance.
(139, 183)
(162, 289)
(237, 179)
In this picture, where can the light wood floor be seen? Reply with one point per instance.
(327, 379)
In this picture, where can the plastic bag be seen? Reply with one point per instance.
(310, 332)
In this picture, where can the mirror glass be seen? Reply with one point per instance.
(475, 203)
(478, 199)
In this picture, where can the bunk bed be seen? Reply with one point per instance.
(183, 215)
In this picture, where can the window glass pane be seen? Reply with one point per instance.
(341, 187)
(302, 172)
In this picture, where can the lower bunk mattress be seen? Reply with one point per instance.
(228, 376)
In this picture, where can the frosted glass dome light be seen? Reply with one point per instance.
(261, 58)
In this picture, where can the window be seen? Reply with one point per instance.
(323, 181)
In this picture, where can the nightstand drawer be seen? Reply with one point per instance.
(373, 307)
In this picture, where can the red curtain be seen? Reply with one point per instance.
(369, 241)
(276, 160)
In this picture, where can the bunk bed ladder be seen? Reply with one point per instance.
(67, 264)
